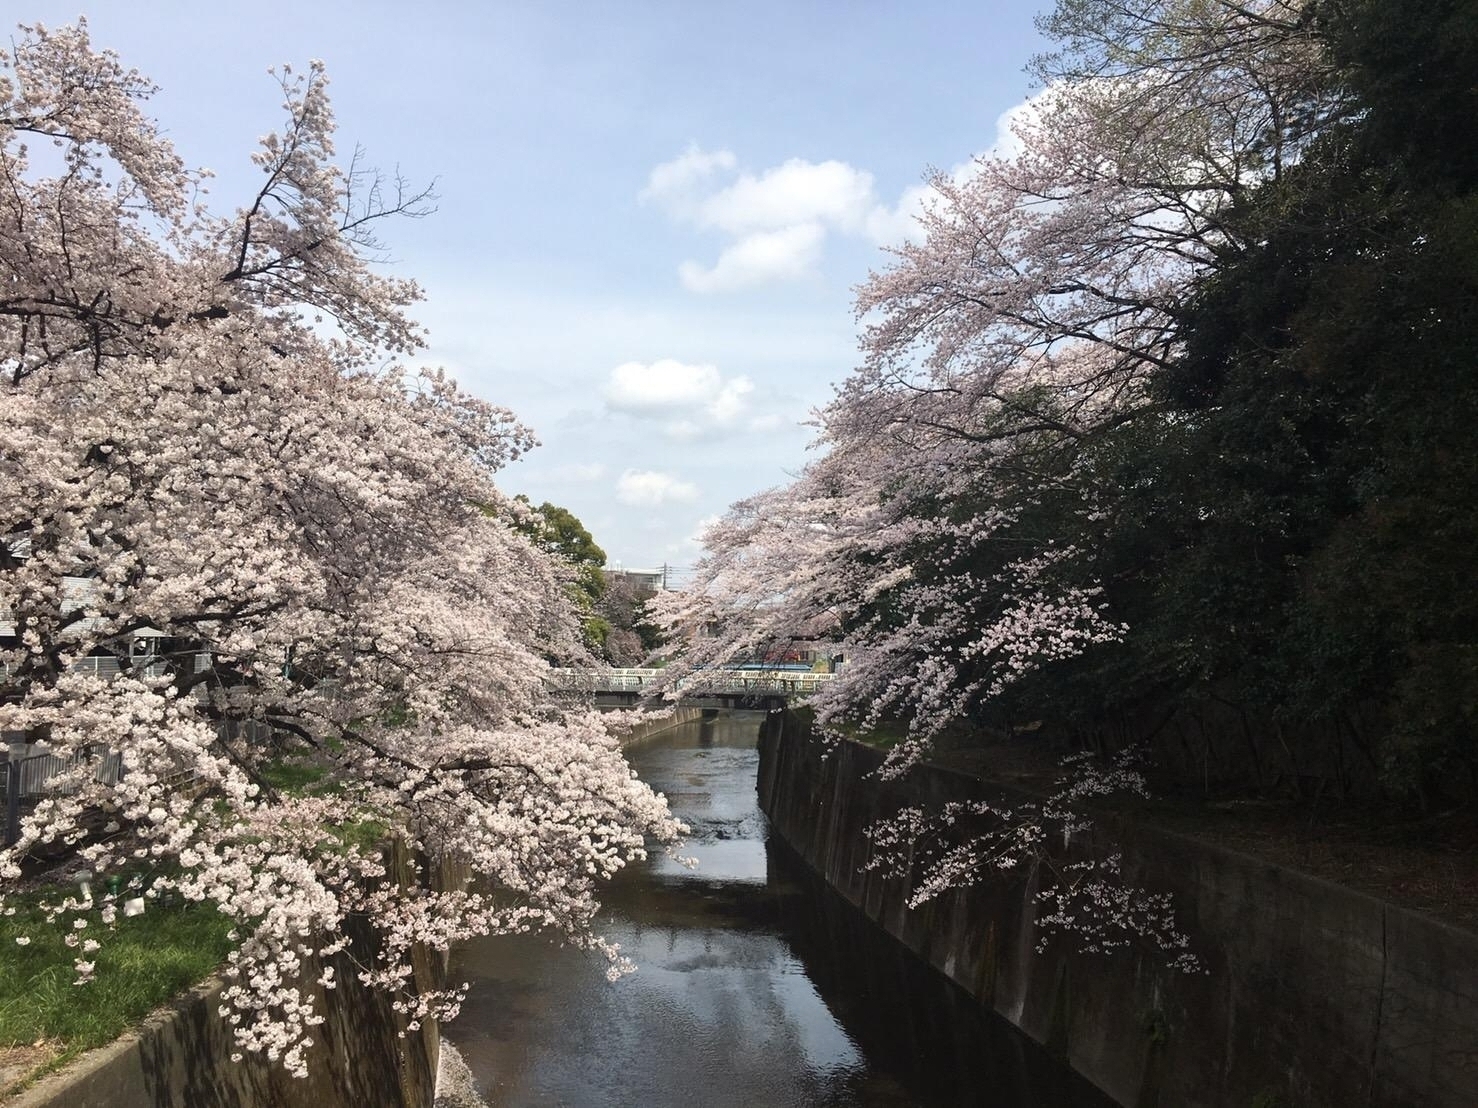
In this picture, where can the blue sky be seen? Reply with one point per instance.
(651, 214)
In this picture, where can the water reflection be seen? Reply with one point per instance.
(756, 987)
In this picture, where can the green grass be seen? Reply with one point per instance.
(291, 776)
(142, 963)
(146, 961)
(366, 835)
(885, 736)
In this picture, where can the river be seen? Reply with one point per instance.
(757, 986)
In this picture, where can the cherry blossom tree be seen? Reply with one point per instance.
(204, 447)
(951, 534)
(1081, 896)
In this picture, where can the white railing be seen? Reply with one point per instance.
(99, 665)
(30, 775)
(107, 665)
(718, 682)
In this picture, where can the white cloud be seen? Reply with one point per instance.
(890, 226)
(649, 488)
(677, 178)
(773, 421)
(829, 193)
(1008, 142)
(784, 255)
(693, 399)
(662, 386)
(730, 404)
(694, 539)
(899, 223)
(578, 472)
(776, 220)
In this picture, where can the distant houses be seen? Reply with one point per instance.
(653, 580)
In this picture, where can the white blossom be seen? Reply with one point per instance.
(308, 529)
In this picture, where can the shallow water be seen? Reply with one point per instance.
(757, 986)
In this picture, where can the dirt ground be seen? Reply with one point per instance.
(18, 1061)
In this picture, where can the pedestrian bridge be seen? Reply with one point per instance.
(719, 688)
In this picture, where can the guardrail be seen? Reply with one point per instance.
(717, 682)
(109, 665)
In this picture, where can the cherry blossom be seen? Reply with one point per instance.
(1077, 894)
(290, 545)
(945, 538)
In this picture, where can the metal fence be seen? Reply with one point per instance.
(27, 778)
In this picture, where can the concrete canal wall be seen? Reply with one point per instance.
(1316, 996)
(662, 721)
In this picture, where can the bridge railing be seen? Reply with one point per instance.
(719, 682)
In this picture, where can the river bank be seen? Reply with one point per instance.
(182, 1049)
(1316, 996)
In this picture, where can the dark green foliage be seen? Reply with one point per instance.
(1291, 526)
(1411, 64)
(1318, 474)
(559, 532)
(633, 636)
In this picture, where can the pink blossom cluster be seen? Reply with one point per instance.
(290, 546)
(1077, 892)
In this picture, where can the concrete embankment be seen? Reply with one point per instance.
(1316, 996)
(661, 721)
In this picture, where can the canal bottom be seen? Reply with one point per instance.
(758, 986)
